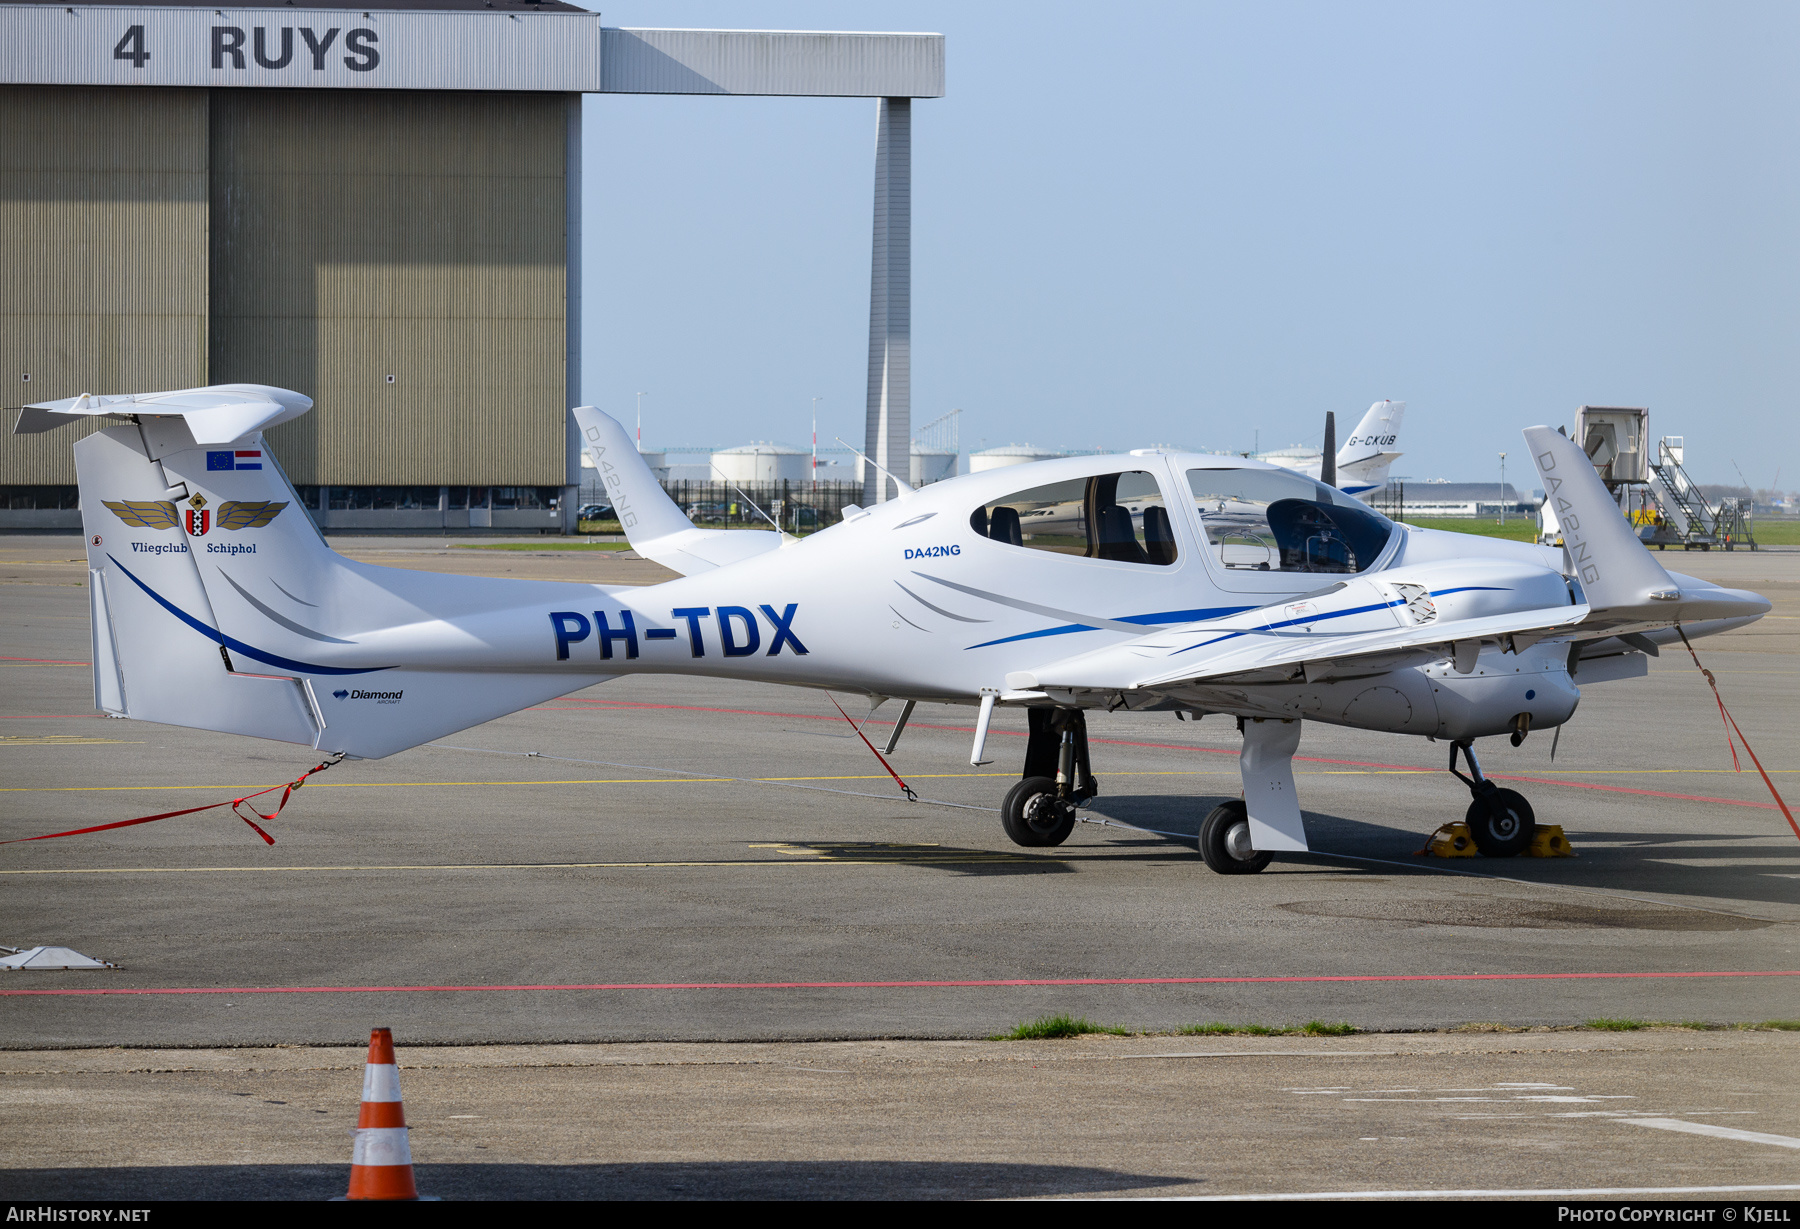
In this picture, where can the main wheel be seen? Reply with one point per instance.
(1501, 827)
(1225, 840)
(1034, 815)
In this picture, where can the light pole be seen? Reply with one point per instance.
(1503, 488)
(815, 442)
(640, 422)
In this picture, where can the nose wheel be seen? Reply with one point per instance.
(1500, 820)
(1033, 815)
(1040, 809)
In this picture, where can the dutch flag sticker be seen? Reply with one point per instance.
(244, 459)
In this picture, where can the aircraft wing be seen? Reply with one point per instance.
(1247, 649)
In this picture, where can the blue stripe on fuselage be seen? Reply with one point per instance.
(1158, 618)
(238, 646)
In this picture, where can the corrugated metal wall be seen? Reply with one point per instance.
(358, 236)
(103, 219)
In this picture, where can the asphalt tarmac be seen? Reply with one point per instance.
(717, 835)
(662, 860)
(1646, 1117)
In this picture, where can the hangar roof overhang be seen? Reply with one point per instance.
(447, 45)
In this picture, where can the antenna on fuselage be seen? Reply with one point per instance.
(740, 490)
(905, 488)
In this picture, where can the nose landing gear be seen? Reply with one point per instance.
(1500, 820)
(1040, 810)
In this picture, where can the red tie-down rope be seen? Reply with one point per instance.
(236, 805)
(910, 795)
(1731, 726)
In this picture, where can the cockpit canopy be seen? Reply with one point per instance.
(1270, 520)
(1254, 519)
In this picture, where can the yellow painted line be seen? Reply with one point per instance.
(63, 740)
(936, 776)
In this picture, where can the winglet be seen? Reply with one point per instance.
(645, 510)
(1615, 569)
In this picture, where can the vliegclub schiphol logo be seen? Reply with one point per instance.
(196, 519)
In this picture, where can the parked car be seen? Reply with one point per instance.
(709, 513)
(594, 512)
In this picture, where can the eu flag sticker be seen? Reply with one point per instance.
(219, 460)
(242, 459)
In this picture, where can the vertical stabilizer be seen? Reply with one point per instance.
(1363, 461)
(1616, 571)
(656, 528)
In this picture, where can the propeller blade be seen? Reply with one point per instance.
(1328, 462)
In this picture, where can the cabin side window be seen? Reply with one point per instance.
(1275, 521)
(1121, 517)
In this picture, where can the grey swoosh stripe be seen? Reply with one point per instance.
(291, 597)
(1049, 612)
(282, 619)
(939, 609)
(908, 622)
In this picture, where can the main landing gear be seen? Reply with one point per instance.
(1040, 809)
(1500, 820)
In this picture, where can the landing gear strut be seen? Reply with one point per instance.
(1040, 809)
(1500, 820)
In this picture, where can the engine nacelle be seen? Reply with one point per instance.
(1490, 698)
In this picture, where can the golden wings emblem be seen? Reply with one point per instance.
(234, 514)
(146, 514)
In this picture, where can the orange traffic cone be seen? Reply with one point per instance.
(381, 1165)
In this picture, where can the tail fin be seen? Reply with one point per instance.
(1622, 581)
(217, 605)
(1363, 461)
(654, 526)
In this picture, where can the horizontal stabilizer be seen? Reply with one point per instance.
(216, 414)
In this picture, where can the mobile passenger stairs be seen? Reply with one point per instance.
(1676, 513)
(1656, 496)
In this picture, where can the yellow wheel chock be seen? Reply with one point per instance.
(1453, 841)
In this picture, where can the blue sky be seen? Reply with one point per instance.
(1208, 224)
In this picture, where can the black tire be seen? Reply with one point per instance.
(1034, 815)
(1501, 827)
(1219, 831)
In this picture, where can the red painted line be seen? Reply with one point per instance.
(44, 716)
(1305, 759)
(48, 661)
(970, 983)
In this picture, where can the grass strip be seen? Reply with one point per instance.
(537, 546)
(1045, 1028)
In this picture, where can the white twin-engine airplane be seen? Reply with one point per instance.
(1239, 588)
(1362, 464)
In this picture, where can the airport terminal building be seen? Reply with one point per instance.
(377, 206)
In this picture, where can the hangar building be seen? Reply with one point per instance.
(378, 206)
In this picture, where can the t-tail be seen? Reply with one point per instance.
(1363, 461)
(216, 603)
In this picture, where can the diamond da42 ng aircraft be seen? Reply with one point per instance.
(1239, 588)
